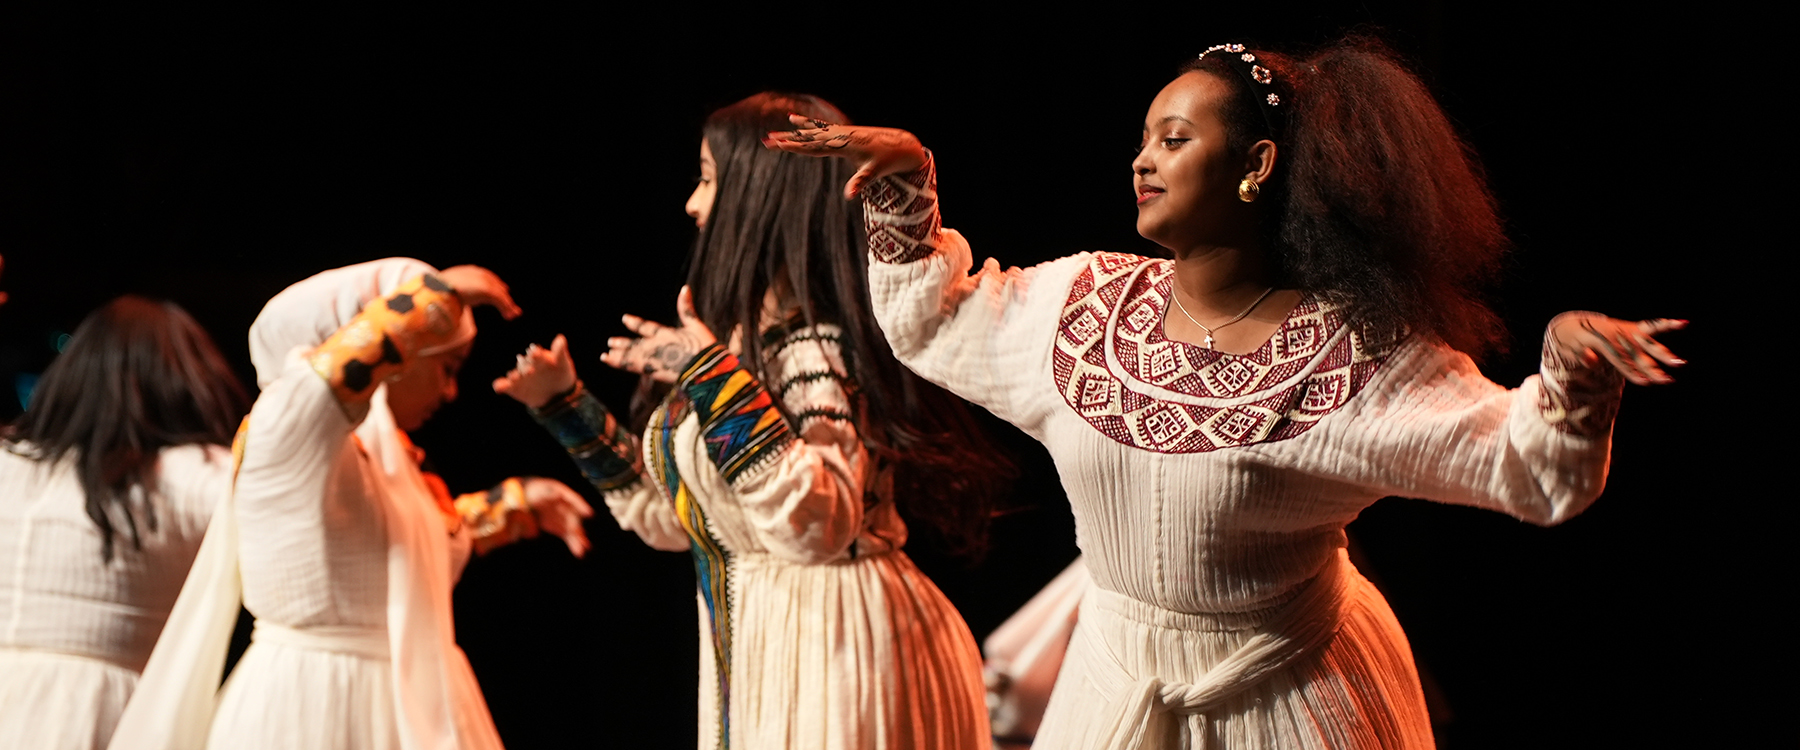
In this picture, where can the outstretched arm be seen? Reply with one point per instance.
(1436, 428)
(984, 336)
(607, 454)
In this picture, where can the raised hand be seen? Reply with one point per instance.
(540, 375)
(559, 511)
(877, 152)
(1584, 340)
(661, 351)
(479, 286)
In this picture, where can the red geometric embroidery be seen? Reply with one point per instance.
(1172, 397)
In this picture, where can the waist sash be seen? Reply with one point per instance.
(368, 643)
(1138, 713)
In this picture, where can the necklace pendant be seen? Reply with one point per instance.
(1209, 341)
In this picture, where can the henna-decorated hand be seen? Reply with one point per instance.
(478, 286)
(559, 511)
(877, 152)
(662, 351)
(541, 374)
(1581, 340)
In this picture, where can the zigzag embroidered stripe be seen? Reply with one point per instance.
(741, 425)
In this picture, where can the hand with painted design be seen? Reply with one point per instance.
(559, 511)
(877, 152)
(661, 351)
(478, 286)
(1582, 340)
(540, 375)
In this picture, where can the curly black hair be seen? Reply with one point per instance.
(1377, 204)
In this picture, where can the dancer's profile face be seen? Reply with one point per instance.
(1185, 178)
(423, 388)
(699, 205)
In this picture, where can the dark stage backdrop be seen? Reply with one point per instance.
(215, 158)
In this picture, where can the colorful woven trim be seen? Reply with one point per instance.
(600, 446)
(499, 516)
(382, 339)
(901, 215)
(741, 425)
(712, 564)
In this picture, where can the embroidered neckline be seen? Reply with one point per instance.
(1116, 368)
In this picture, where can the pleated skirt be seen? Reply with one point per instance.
(52, 701)
(1359, 691)
(860, 655)
(282, 697)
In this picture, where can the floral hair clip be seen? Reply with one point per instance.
(1261, 82)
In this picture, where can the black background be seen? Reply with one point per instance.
(213, 158)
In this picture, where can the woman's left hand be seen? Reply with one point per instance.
(1584, 340)
(559, 511)
(661, 351)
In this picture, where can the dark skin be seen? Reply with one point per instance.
(1187, 185)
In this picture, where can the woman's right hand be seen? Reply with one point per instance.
(877, 152)
(542, 374)
(479, 286)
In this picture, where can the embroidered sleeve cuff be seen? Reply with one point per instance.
(499, 516)
(901, 214)
(600, 446)
(386, 336)
(1575, 398)
(741, 425)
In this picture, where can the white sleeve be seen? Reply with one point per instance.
(984, 336)
(800, 483)
(640, 508)
(1431, 426)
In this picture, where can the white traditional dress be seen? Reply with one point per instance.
(1211, 490)
(75, 629)
(345, 555)
(816, 630)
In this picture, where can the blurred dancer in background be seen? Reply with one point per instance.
(778, 459)
(107, 483)
(347, 550)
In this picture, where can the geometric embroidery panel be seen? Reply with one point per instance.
(1115, 368)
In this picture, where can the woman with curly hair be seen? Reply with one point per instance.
(1220, 415)
(779, 460)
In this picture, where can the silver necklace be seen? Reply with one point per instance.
(1209, 331)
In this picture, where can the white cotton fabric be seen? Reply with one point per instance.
(340, 548)
(1194, 555)
(839, 642)
(75, 630)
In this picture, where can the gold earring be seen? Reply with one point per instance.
(1248, 190)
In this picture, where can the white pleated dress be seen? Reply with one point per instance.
(75, 630)
(1211, 490)
(339, 548)
(817, 631)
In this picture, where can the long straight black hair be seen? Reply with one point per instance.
(778, 216)
(138, 376)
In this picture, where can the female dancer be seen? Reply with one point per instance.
(106, 486)
(778, 462)
(1218, 417)
(346, 549)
